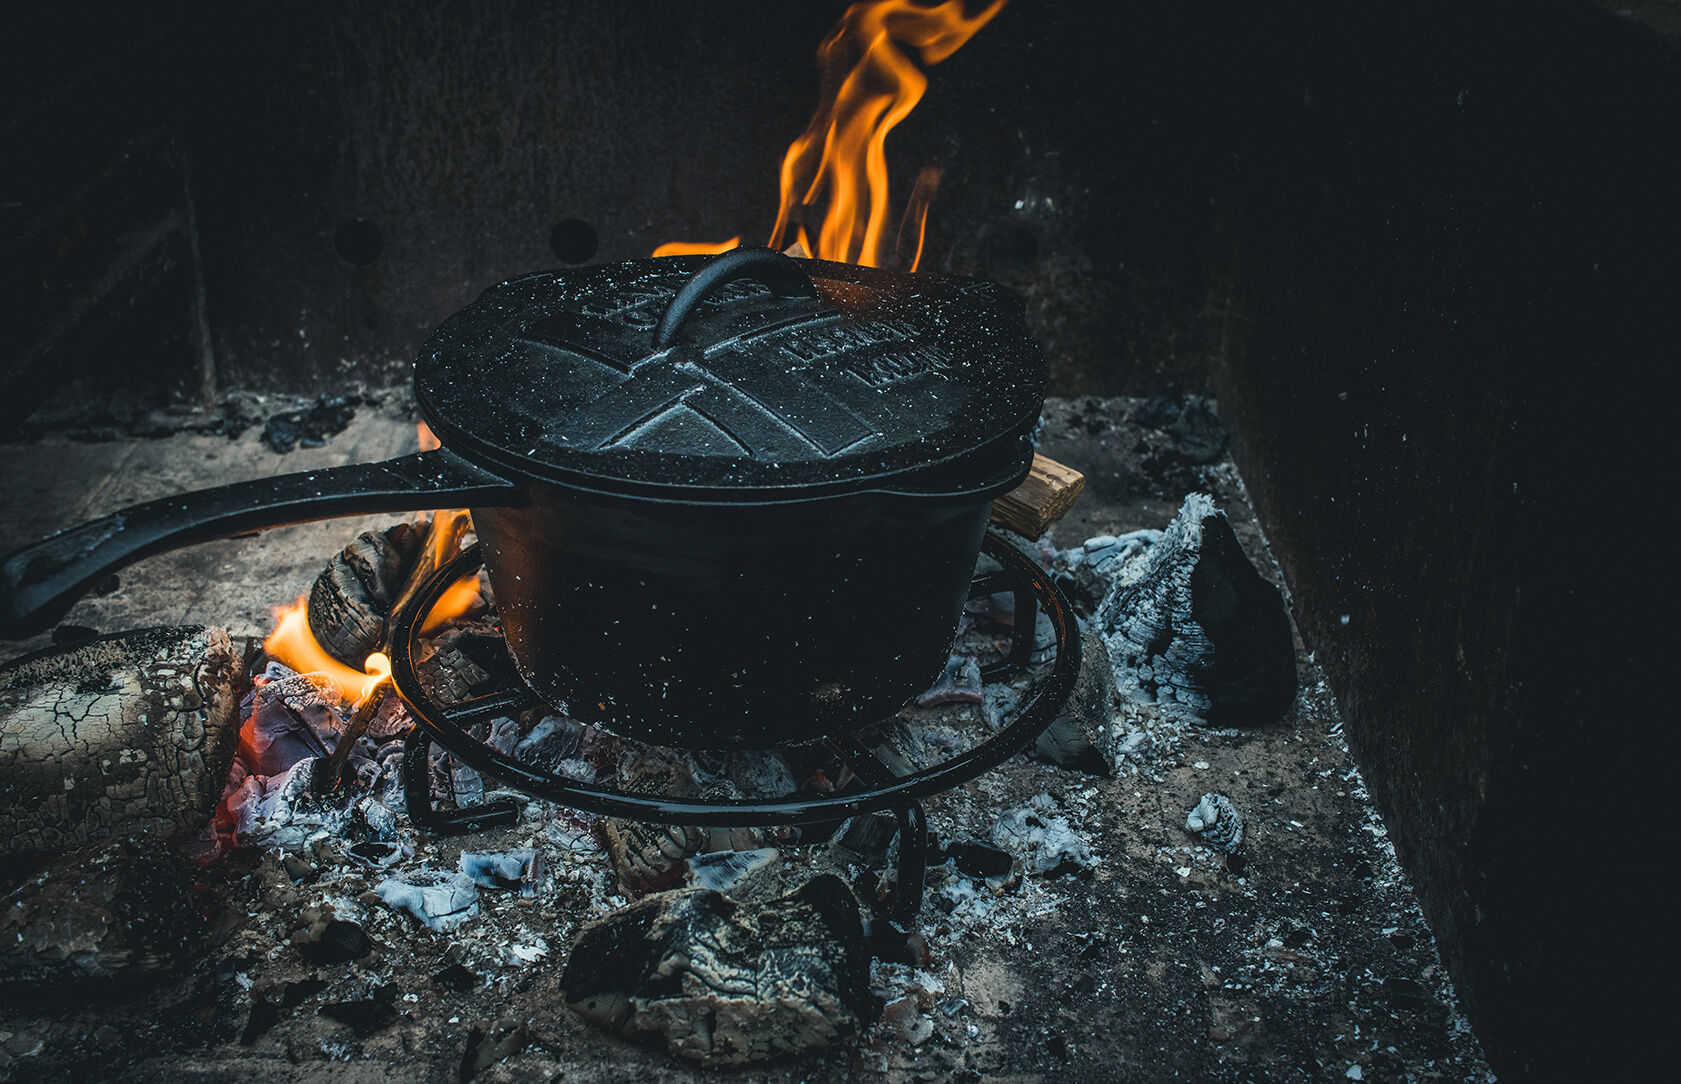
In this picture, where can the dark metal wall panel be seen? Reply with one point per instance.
(1449, 248)
(465, 132)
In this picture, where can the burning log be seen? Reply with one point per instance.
(104, 915)
(124, 735)
(1044, 496)
(352, 600)
(1190, 623)
(354, 596)
(726, 981)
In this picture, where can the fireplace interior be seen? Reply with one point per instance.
(1415, 260)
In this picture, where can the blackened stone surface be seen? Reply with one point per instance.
(1149, 973)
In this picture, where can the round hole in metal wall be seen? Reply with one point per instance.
(358, 241)
(573, 240)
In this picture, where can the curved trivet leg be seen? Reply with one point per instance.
(1024, 628)
(913, 865)
(417, 795)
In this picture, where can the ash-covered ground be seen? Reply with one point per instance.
(1119, 944)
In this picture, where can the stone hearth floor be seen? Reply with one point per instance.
(1158, 963)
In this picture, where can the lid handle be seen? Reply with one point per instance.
(779, 272)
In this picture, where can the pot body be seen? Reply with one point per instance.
(729, 626)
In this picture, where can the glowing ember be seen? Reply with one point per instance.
(292, 643)
(869, 84)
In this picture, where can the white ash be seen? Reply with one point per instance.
(555, 745)
(520, 869)
(1156, 645)
(959, 683)
(726, 982)
(723, 870)
(1216, 820)
(439, 899)
(923, 737)
(754, 774)
(504, 735)
(381, 854)
(1192, 627)
(573, 831)
(1042, 841)
(291, 717)
(1109, 555)
(1003, 701)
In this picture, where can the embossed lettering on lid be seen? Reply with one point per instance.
(870, 375)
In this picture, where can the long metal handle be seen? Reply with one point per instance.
(39, 583)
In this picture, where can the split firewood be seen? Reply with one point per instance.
(1043, 497)
(123, 735)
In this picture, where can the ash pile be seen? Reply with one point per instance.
(190, 799)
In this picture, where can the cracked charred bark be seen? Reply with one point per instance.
(726, 981)
(129, 734)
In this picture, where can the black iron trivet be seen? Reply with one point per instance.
(881, 787)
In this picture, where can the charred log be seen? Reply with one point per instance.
(102, 916)
(124, 735)
(649, 857)
(354, 596)
(726, 982)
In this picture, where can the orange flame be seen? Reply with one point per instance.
(448, 525)
(293, 644)
(428, 442)
(869, 84)
(456, 600)
(696, 248)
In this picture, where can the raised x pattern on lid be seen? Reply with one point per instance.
(559, 375)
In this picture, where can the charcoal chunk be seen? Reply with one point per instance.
(1196, 627)
(363, 1017)
(340, 942)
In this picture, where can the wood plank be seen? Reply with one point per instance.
(1044, 497)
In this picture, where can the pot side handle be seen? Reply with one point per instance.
(39, 583)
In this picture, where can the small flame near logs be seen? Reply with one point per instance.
(839, 163)
(292, 644)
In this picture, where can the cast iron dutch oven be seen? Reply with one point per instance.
(724, 502)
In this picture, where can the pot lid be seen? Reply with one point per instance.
(745, 376)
